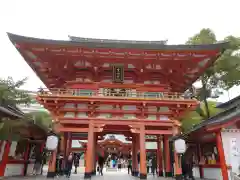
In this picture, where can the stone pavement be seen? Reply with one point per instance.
(108, 175)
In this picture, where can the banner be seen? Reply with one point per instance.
(234, 155)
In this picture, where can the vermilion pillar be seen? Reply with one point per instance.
(94, 154)
(26, 157)
(89, 156)
(159, 156)
(69, 143)
(62, 144)
(137, 150)
(221, 156)
(167, 163)
(143, 168)
(52, 165)
(177, 158)
(65, 135)
(177, 166)
(134, 156)
(3, 162)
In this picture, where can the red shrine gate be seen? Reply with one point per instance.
(135, 88)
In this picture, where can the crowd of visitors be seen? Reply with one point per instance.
(64, 167)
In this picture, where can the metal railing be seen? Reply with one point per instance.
(114, 93)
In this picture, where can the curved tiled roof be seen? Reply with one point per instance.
(231, 103)
(106, 43)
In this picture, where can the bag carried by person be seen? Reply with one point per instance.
(98, 169)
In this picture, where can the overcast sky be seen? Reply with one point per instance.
(174, 20)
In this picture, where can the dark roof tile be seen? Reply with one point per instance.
(233, 102)
(101, 43)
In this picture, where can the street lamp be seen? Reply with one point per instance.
(180, 146)
(52, 142)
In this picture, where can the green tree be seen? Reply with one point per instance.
(195, 117)
(41, 118)
(10, 94)
(224, 74)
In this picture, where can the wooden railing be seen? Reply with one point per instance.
(121, 94)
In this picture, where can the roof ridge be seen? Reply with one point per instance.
(221, 45)
(76, 38)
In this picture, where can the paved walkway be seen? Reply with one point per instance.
(109, 175)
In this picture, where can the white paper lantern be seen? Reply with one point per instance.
(52, 143)
(180, 146)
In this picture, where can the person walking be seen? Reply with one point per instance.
(154, 165)
(69, 164)
(119, 162)
(129, 165)
(37, 164)
(76, 162)
(114, 162)
(59, 162)
(100, 165)
(190, 167)
(44, 161)
(184, 167)
(149, 165)
(187, 167)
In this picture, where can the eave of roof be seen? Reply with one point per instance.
(122, 44)
(228, 103)
(221, 117)
(15, 112)
(10, 111)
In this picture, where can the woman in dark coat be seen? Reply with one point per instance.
(59, 162)
(154, 165)
(69, 164)
(76, 162)
(100, 164)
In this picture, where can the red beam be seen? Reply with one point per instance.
(78, 149)
(147, 140)
(115, 111)
(66, 129)
(122, 100)
(167, 123)
(156, 132)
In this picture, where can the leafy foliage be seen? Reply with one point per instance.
(10, 94)
(195, 117)
(41, 118)
(225, 73)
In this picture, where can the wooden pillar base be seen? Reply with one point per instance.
(135, 173)
(94, 172)
(168, 174)
(160, 173)
(178, 177)
(87, 175)
(143, 176)
(51, 174)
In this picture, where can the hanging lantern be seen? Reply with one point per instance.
(52, 142)
(180, 146)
